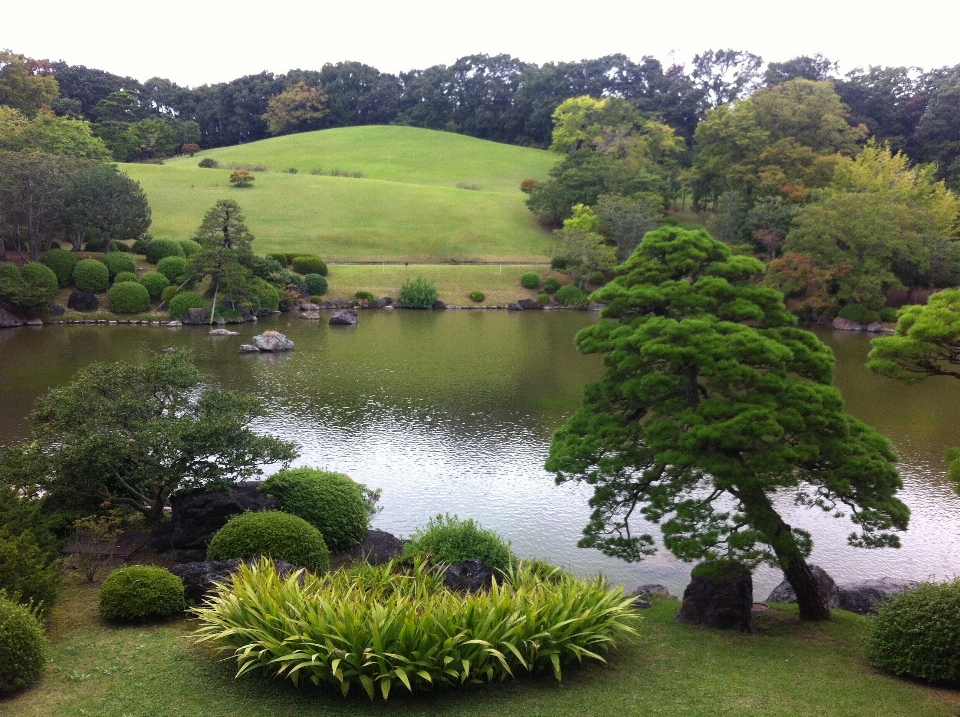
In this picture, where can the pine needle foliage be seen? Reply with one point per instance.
(377, 628)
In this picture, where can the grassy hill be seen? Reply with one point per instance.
(405, 208)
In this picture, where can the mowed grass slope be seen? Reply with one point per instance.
(406, 208)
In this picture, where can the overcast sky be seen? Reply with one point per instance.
(207, 41)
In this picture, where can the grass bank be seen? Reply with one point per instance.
(787, 669)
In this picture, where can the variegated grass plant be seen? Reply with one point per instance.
(380, 627)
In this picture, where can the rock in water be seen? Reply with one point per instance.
(222, 332)
(866, 596)
(272, 341)
(346, 317)
(248, 349)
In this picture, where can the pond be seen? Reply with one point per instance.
(453, 412)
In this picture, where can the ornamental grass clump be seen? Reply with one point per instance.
(447, 539)
(377, 629)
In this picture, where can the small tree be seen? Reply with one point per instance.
(241, 178)
(190, 148)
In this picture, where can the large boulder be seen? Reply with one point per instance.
(344, 317)
(721, 599)
(841, 324)
(196, 516)
(199, 577)
(9, 321)
(529, 304)
(194, 317)
(381, 547)
(469, 576)
(784, 592)
(865, 597)
(83, 301)
(272, 341)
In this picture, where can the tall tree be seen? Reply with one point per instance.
(802, 67)
(726, 75)
(100, 197)
(25, 84)
(712, 404)
(226, 252)
(299, 108)
(31, 198)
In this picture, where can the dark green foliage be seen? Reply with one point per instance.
(62, 263)
(93, 240)
(447, 539)
(161, 248)
(190, 247)
(91, 275)
(265, 295)
(721, 571)
(120, 246)
(124, 276)
(309, 264)
(41, 276)
(281, 258)
(572, 296)
(140, 245)
(23, 646)
(208, 163)
(477, 296)
(559, 263)
(168, 293)
(155, 282)
(917, 633)
(140, 592)
(29, 573)
(418, 293)
(315, 284)
(331, 502)
(860, 314)
(129, 297)
(551, 285)
(888, 314)
(530, 280)
(363, 296)
(172, 267)
(543, 298)
(597, 278)
(9, 270)
(274, 534)
(183, 301)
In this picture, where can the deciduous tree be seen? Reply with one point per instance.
(297, 109)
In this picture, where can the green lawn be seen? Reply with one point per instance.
(406, 208)
(787, 669)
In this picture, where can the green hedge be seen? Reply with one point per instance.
(62, 262)
(274, 534)
(309, 264)
(139, 592)
(128, 297)
(91, 275)
(572, 296)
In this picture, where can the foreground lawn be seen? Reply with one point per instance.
(407, 206)
(787, 668)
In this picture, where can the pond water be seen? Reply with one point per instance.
(453, 412)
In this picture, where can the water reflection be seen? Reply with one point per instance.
(453, 412)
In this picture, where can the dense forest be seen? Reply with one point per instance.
(843, 184)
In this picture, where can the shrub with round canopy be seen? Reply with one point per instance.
(91, 275)
(273, 534)
(139, 592)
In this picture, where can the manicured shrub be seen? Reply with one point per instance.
(124, 276)
(155, 283)
(9, 270)
(140, 592)
(543, 298)
(571, 295)
(551, 285)
(377, 629)
(266, 294)
(129, 297)
(448, 539)
(62, 263)
(597, 278)
(558, 263)
(83, 301)
(161, 248)
(168, 293)
(888, 314)
(315, 284)
(417, 293)
(363, 296)
(28, 573)
(917, 633)
(860, 314)
(120, 246)
(530, 280)
(183, 301)
(91, 275)
(273, 534)
(41, 276)
(283, 259)
(140, 245)
(23, 646)
(477, 296)
(173, 268)
(190, 247)
(309, 264)
(330, 502)
(117, 262)
(208, 163)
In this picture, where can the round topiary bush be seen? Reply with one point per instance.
(128, 297)
(917, 633)
(41, 275)
(190, 247)
(118, 262)
(155, 283)
(315, 284)
(309, 264)
(448, 539)
(266, 295)
(274, 534)
(83, 301)
(551, 285)
(363, 296)
(9, 270)
(91, 275)
(330, 502)
(543, 298)
(140, 245)
(167, 294)
(183, 301)
(23, 646)
(571, 296)
(120, 246)
(208, 163)
(281, 258)
(124, 276)
(477, 296)
(139, 592)
(172, 267)
(530, 280)
(161, 248)
(62, 262)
